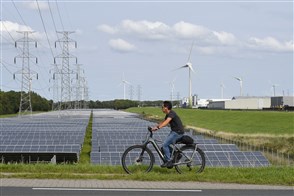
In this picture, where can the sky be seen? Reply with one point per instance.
(145, 42)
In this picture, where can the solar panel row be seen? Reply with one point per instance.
(46, 135)
(42, 136)
(40, 148)
(119, 130)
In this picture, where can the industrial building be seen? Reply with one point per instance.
(282, 102)
(253, 103)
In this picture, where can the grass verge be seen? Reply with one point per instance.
(266, 175)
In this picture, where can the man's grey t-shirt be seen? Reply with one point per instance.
(176, 124)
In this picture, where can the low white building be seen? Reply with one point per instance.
(243, 103)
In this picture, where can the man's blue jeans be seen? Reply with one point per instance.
(171, 139)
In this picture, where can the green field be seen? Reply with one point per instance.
(238, 122)
(273, 131)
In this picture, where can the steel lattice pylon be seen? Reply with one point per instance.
(25, 105)
(65, 71)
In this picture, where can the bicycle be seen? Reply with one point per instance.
(186, 158)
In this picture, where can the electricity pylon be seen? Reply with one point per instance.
(85, 94)
(25, 105)
(78, 86)
(65, 71)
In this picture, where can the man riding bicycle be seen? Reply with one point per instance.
(177, 131)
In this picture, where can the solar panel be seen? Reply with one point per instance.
(42, 134)
(114, 131)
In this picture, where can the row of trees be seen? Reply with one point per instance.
(123, 104)
(9, 103)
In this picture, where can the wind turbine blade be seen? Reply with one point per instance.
(238, 78)
(184, 66)
(127, 82)
(190, 67)
(190, 51)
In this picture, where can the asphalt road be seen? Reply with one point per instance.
(31, 191)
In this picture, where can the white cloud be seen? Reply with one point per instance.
(9, 31)
(9, 28)
(190, 31)
(211, 41)
(160, 31)
(13, 27)
(225, 38)
(34, 5)
(107, 29)
(271, 44)
(146, 30)
(142, 29)
(121, 45)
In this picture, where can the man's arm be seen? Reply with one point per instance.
(162, 124)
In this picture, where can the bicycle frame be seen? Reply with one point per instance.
(155, 145)
(149, 139)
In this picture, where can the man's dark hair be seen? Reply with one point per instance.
(167, 104)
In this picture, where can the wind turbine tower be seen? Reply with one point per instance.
(222, 90)
(189, 66)
(274, 88)
(241, 85)
(124, 84)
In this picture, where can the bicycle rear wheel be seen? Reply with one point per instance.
(185, 163)
(137, 159)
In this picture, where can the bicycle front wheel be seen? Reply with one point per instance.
(189, 160)
(137, 159)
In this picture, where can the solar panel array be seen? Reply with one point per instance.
(115, 131)
(40, 137)
(45, 136)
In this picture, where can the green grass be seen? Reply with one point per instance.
(87, 145)
(238, 122)
(272, 131)
(266, 175)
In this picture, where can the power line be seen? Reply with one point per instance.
(45, 28)
(19, 13)
(59, 15)
(54, 24)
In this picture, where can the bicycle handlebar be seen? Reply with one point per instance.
(150, 130)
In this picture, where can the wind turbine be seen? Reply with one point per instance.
(274, 88)
(222, 90)
(124, 82)
(241, 85)
(189, 66)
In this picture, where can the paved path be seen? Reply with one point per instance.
(122, 184)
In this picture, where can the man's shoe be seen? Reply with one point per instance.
(168, 164)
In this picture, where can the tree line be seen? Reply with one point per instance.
(9, 103)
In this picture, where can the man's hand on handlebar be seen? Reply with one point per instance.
(154, 128)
